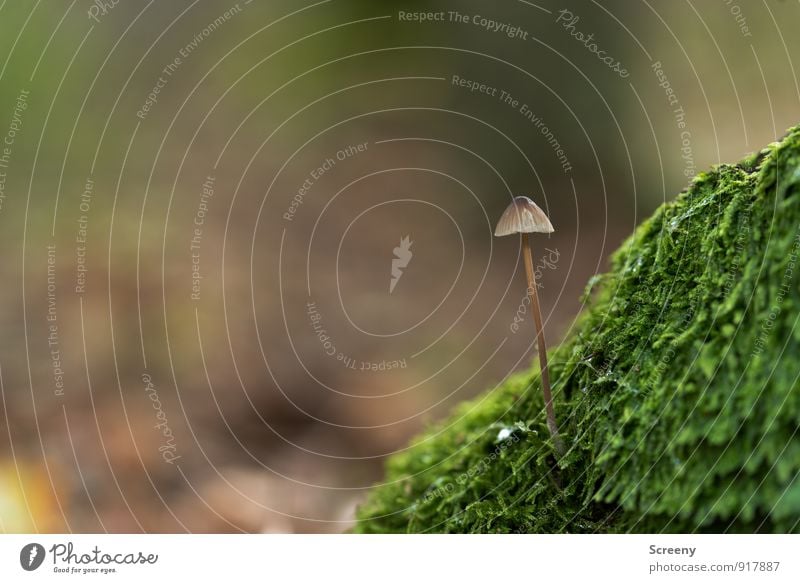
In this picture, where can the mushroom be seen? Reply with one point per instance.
(524, 216)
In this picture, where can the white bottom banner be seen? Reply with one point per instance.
(388, 558)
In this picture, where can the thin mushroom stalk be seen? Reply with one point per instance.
(525, 217)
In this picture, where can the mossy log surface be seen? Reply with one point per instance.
(677, 396)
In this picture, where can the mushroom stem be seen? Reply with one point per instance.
(537, 318)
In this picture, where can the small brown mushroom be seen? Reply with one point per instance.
(524, 216)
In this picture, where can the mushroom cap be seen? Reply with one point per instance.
(523, 216)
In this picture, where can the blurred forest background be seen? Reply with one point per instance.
(184, 348)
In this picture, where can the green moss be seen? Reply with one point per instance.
(678, 396)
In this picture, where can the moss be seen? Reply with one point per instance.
(678, 395)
